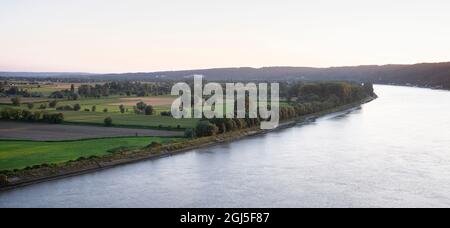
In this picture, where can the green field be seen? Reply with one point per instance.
(20, 154)
(129, 120)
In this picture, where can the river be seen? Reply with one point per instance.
(392, 152)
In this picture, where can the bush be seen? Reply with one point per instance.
(30, 105)
(57, 95)
(55, 118)
(3, 179)
(4, 114)
(65, 108)
(108, 121)
(168, 114)
(122, 109)
(155, 145)
(189, 133)
(26, 115)
(53, 104)
(81, 159)
(15, 101)
(43, 106)
(37, 116)
(149, 110)
(77, 107)
(87, 110)
(141, 106)
(94, 108)
(205, 129)
(15, 114)
(105, 110)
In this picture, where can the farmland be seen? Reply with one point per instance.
(21, 154)
(83, 132)
(55, 132)
(93, 111)
(130, 120)
(138, 113)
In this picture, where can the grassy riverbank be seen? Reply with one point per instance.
(22, 154)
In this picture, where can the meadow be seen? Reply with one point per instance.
(22, 154)
(129, 120)
(107, 107)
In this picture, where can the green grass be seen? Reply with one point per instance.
(130, 120)
(20, 154)
(46, 91)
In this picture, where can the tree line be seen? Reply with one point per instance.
(303, 99)
(127, 88)
(29, 116)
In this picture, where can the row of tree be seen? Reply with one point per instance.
(127, 88)
(310, 98)
(29, 116)
(15, 91)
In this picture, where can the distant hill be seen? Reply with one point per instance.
(43, 74)
(436, 75)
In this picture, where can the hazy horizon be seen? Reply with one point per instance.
(131, 72)
(148, 36)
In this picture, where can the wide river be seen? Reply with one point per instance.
(392, 152)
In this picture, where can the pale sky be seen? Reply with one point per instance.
(152, 35)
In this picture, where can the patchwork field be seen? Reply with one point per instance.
(109, 107)
(48, 132)
(21, 154)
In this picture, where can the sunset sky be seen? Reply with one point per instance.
(152, 35)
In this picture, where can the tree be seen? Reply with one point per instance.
(108, 121)
(168, 114)
(57, 95)
(74, 96)
(3, 179)
(53, 104)
(105, 110)
(368, 87)
(37, 116)
(4, 114)
(43, 106)
(205, 129)
(57, 118)
(189, 133)
(54, 118)
(94, 108)
(26, 115)
(77, 107)
(15, 101)
(141, 106)
(122, 108)
(149, 110)
(30, 105)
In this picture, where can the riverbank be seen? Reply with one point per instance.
(43, 174)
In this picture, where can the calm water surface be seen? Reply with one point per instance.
(393, 152)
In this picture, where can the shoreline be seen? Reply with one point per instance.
(81, 167)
